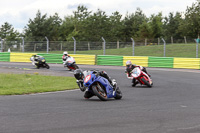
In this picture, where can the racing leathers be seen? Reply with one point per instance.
(35, 59)
(64, 57)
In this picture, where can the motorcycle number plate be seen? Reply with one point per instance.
(87, 78)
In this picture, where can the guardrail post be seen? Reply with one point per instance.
(104, 45)
(47, 44)
(1, 44)
(197, 45)
(22, 44)
(164, 46)
(133, 46)
(74, 45)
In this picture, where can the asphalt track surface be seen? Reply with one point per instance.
(172, 105)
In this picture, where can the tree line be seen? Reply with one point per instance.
(87, 25)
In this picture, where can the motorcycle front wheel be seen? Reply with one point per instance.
(99, 92)
(146, 82)
(118, 94)
(47, 66)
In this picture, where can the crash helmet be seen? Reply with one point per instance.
(78, 74)
(65, 53)
(128, 63)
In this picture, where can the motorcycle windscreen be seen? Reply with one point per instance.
(136, 72)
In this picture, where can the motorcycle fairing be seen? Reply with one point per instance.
(89, 80)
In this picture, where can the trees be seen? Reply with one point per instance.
(42, 26)
(7, 32)
(86, 25)
(190, 25)
(156, 25)
(116, 26)
(171, 25)
(132, 23)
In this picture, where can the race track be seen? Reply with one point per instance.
(172, 105)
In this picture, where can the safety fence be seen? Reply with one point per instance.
(112, 60)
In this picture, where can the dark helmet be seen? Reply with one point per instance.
(78, 74)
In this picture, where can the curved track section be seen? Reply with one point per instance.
(171, 106)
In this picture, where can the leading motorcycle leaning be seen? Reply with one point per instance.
(138, 74)
(141, 77)
(97, 84)
(39, 61)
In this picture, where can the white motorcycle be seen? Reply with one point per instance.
(70, 63)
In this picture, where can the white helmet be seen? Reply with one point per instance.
(65, 53)
(128, 63)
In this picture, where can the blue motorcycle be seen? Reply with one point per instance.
(101, 87)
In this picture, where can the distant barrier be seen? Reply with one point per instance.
(138, 60)
(109, 60)
(187, 63)
(52, 58)
(166, 62)
(5, 57)
(112, 60)
(20, 57)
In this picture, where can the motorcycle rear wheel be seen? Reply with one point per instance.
(99, 92)
(75, 66)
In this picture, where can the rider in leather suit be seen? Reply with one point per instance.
(129, 68)
(80, 75)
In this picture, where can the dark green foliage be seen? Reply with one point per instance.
(87, 25)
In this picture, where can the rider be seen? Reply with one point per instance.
(35, 59)
(129, 68)
(80, 75)
(65, 56)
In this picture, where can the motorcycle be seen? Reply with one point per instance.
(141, 77)
(70, 64)
(101, 87)
(40, 62)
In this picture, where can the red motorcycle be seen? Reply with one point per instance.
(141, 77)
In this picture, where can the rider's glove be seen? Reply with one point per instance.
(80, 84)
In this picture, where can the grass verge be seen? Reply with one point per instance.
(18, 84)
(172, 50)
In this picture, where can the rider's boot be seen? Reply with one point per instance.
(134, 82)
(114, 84)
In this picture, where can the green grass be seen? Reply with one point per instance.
(172, 50)
(17, 84)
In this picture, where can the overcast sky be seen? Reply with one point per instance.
(18, 12)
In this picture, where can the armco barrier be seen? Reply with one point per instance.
(52, 58)
(84, 59)
(20, 57)
(80, 59)
(109, 60)
(5, 57)
(166, 62)
(138, 60)
(188, 63)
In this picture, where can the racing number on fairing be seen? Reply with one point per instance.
(87, 78)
